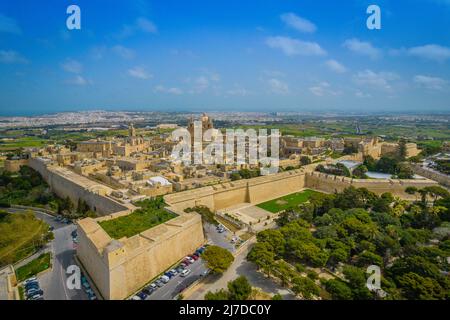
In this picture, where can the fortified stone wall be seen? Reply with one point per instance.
(434, 175)
(14, 165)
(66, 183)
(266, 188)
(331, 184)
(121, 267)
(254, 190)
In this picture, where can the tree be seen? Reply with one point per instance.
(360, 172)
(306, 287)
(277, 297)
(416, 287)
(218, 295)
(263, 256)
(338, 290)
(239, 289)
(305, 160)
(402, 152)
(357, 282)
(218, 259)
(404, 171)
(412, 191)
(370, 163)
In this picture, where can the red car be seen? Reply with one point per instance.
(195, 257)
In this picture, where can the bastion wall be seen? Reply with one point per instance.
(66, 183)
(120, 267)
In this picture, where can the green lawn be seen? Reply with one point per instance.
(148, 216)
(286, 202)
(34, 267)
(20, 236)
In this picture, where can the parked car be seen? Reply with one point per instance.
(180, 269)
(92, 297)
(159, 283)
(31, 285)
(195, 257)
(165, 279)
(135, 298)
(142, 295)
(185, 272)
(34, 292)
(35, 297)
(148, 290)
(186, 262)
(190, 259)
(168, 274)
(174, 272)
(32, 279)
(153, 285)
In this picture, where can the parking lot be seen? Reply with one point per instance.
(174, 281)
(221, 239)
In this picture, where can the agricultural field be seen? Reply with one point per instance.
(286, 202)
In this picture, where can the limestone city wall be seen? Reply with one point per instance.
(331, 184)
(66, 183)
(121, 267)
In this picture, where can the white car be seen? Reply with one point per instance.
(189, 259)
(135, 298)
(185, 272)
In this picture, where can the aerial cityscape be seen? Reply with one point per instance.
(257, 151)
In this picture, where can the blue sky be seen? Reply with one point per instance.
(255, 55)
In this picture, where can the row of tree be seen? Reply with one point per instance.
(349, 231)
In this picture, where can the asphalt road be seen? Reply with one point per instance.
(239, 267)
(179, 283)
(219, 239)
(53, 283)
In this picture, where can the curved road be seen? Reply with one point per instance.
(53, 283)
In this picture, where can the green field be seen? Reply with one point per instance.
(20, 236)
(34, 267)
(287, 202)
(149, 215)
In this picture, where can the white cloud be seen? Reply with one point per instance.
(380, 80)
(360, 94)
(146, 25)
(431, 52)
(292, 47)
(139, 73)
(12, 57)
(140, 25)
(172, 90)
(238, 91)
(124, 52)
(298, 23)
(335, 66)
(323, 89)
(362, 48)
(72, 66)
(78, 80)
(432, 83)
(9, 25)
(203, 82)
(278, 86)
